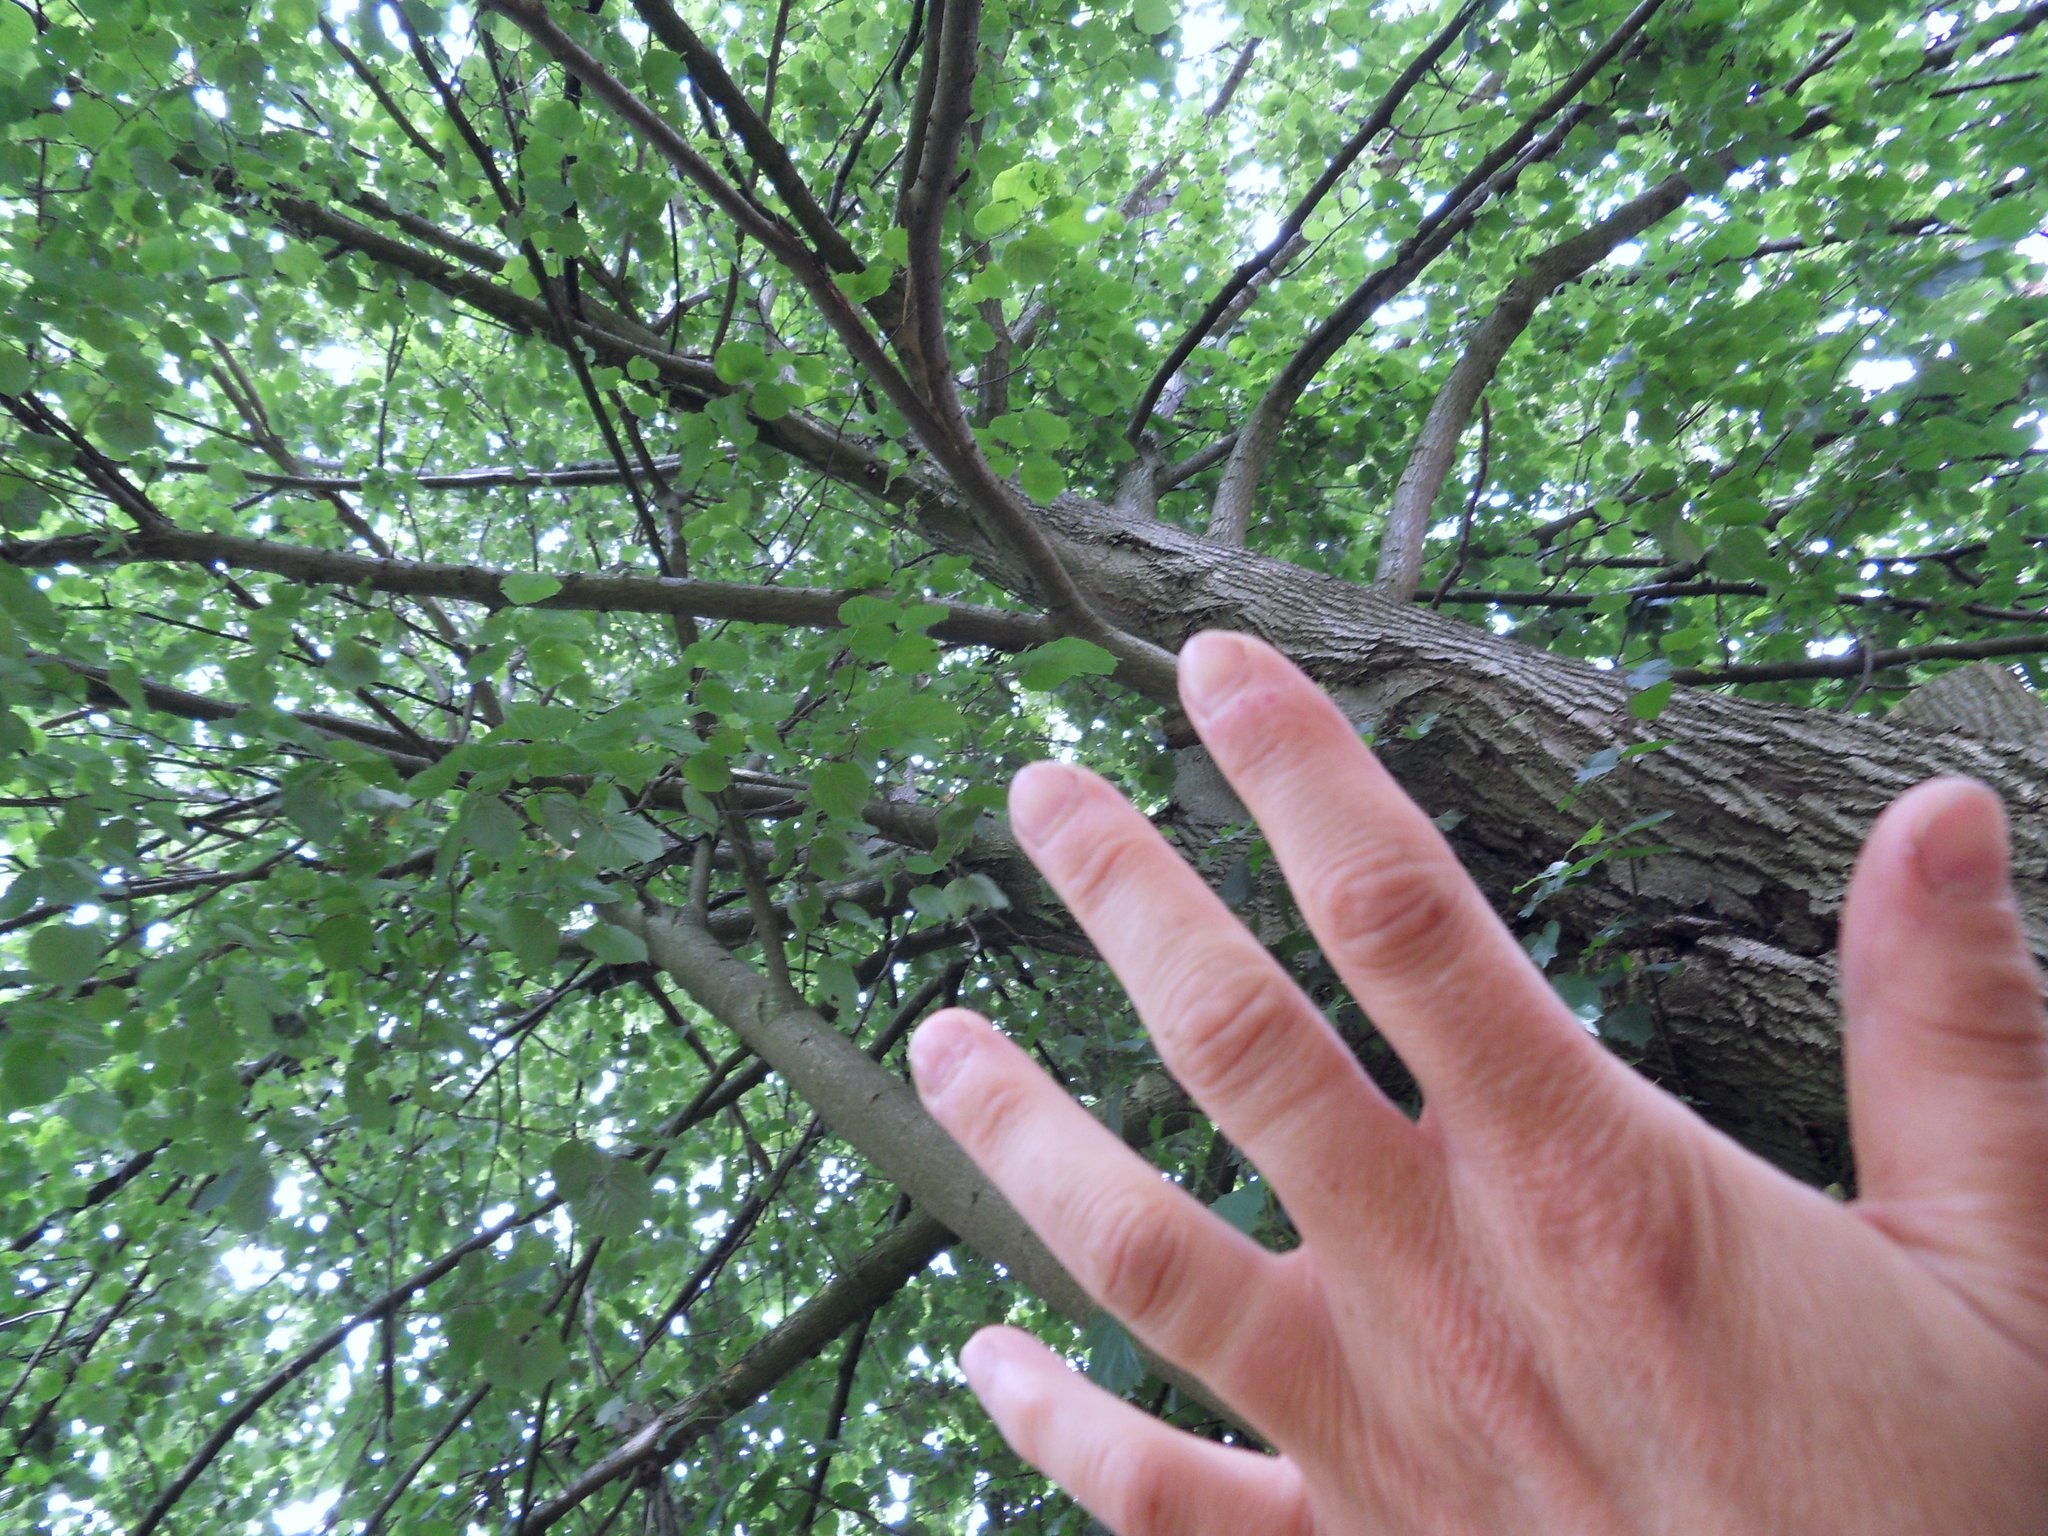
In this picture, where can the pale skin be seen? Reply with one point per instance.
(1559, 1304)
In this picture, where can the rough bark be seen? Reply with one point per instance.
(1767, 804)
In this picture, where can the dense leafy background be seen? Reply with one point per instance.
(301, 978)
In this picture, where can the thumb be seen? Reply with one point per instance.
(1946, 1047)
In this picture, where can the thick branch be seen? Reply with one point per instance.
(1400, 564)
(863, 1102)
(950, 57)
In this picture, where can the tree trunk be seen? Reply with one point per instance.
(1767, 806)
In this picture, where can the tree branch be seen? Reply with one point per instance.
(247, 1406)
(952, 50)
(999, 506)
(1272, 252)
(392, 110)
(1400, 563)
(708, 74)
(864, 1103)
(855, 1295)
(1230, 517)
(1857, 661)
(963, 624)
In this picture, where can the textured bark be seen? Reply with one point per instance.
(1768, 806)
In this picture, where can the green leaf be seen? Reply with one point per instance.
(663, 71)
(65, 954)
(32, 1072)
(352, 664)
(1244, 1207)
(1113, 1362)
(575, 1166)
(1581, 994)
(772, 400)
(343, 941)
(708, 773)
(127, 427)
(1041, 478)
(991, 219)
(1631, 1024)
(251, 1203)
(533, 937)
(524, 1363)
(1045, 667)
(17, 38)
(621, 839)
(1152, 15)
(525, 587)
(608, 1196)
(1649, 704)
(1046, 430)
(615, 945)
(493, 828)
(739, 361)
(840, 789)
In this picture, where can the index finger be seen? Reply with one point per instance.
(1228, 1021)
(1397, 916)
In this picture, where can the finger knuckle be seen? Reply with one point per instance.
(1135, 1255)
(1622, 1225)
(1002, 1110)
(1140, 1489)
(1997, 1003)
(1217, 1014)
(1094, 866)
(1392, 913)
(1031, 1419)
(1260, 733)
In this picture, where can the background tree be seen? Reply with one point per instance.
(531, 541)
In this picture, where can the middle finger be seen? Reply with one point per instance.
(1227, 1020)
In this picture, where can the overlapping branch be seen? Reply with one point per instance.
(1400, 563)
(952, 49)
(708, 74)
(1539, 135)
(1254, 267)
(998, 505)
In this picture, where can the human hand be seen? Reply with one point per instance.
(1559, 1304)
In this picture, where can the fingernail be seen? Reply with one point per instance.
(941, 1043)
(1212, 668)
(1961, 847)
(1039, 797)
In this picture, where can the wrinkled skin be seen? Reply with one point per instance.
(1558, 1304)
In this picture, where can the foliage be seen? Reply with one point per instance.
(434, 513)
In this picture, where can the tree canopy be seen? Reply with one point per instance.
(532, 538)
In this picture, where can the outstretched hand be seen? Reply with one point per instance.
(1558, 1304)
